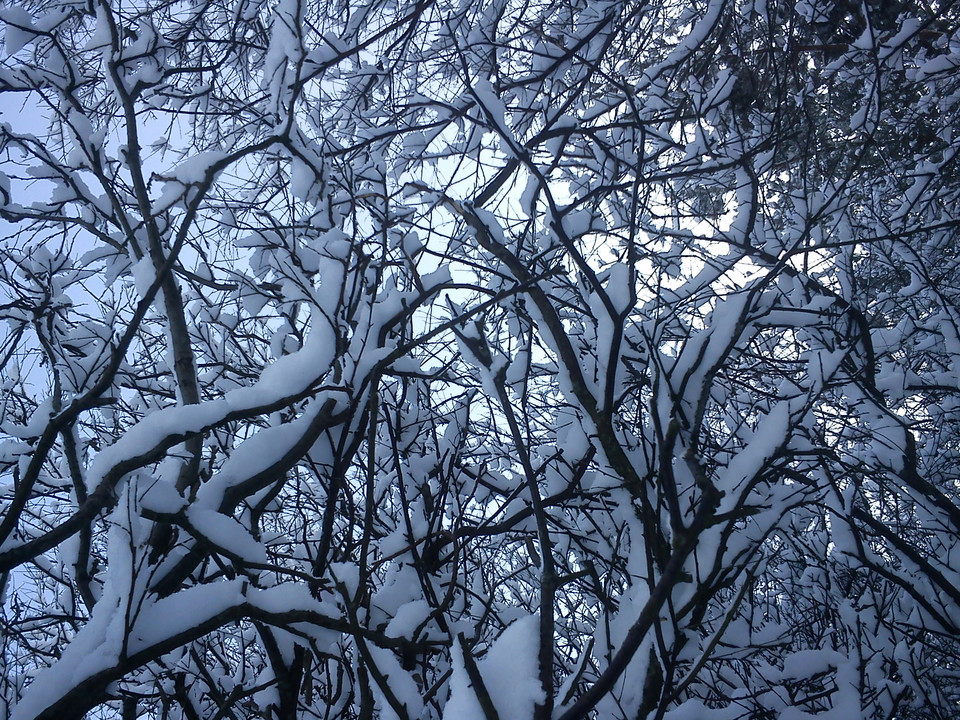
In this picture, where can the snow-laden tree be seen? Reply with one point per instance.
(517, 360)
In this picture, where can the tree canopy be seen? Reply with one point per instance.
(493, 360)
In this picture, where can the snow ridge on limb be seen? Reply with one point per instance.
(96, 658)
